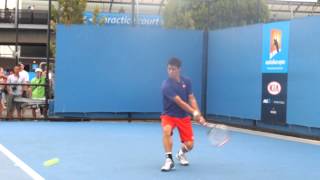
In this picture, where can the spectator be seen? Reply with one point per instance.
(121, 10)
(14, 91)
(25, 75)
(7, 15)
(3, 79)
(13, 19)
(51, 81)
(31, 8)
(38, 92)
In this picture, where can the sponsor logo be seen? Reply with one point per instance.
(123, 19)
(275, 42)
(274, 88)
(266, 101)
(275, 62)
(275, 48)
(273, 111)
(279, 102)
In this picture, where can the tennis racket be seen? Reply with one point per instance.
(218, 135)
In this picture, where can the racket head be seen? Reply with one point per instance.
(218, 136)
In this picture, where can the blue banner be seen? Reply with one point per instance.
(275, 47)
(123, 19)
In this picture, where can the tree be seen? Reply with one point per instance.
(96, 19)
(71, 11)
(214, 14)
(67, 12)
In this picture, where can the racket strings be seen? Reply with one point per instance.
(218, 137)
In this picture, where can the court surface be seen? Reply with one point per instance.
(121, 150)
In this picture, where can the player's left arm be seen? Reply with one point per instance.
(194, 104)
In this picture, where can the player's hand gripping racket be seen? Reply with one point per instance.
(218, 135)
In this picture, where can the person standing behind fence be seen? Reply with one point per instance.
(51, 78)
(25, 75)
(3, 79)
(14, 91)
(7, 15)
(31, 9)
(38, 92)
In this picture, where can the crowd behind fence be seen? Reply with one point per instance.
(23, 94)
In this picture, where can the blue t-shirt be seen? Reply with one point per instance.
(171, 89)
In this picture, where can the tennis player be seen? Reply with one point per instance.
(178, 104)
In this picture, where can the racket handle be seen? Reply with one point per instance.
(212, 125)
(208, 125)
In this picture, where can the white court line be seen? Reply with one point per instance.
(272, 135)
(23, 166)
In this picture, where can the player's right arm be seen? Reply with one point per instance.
(171, 94)
(183, 105)
(190, 109)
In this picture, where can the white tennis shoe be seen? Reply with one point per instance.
(168, 165)
(182, 159)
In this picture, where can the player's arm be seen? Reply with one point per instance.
(191, 108)
(193, 102)
(184, 105)
(169, 93)
(188, 108)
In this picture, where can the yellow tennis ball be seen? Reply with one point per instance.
(51, 162)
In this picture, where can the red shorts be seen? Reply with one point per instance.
(184, 126)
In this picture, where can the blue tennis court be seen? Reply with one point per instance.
(116, 71)
(121, 150)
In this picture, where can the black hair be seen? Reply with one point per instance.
(174, 62)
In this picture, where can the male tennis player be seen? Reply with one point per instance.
(178, 103)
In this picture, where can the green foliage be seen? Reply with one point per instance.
(96, 19)
(67, 12)
(96, 12)
(214, 14)
(71, 11)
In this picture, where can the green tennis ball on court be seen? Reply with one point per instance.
(51, 162)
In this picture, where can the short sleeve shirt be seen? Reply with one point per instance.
(171, 89)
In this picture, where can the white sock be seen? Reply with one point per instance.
(183, 149)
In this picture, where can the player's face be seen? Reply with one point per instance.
(173, 71)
